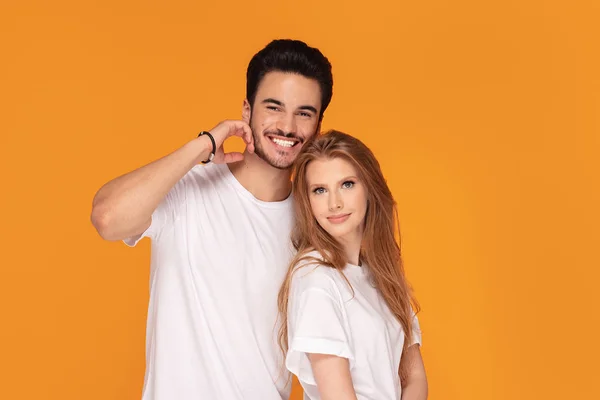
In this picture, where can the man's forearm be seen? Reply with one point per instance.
(123, 207)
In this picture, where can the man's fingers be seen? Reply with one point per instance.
(244, 131)
(230, 128)
(241, 129)
(248, 134)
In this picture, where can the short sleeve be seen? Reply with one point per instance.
(165, 214)
(317, 323)
(416, 332)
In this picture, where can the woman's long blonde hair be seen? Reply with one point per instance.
(380, 249)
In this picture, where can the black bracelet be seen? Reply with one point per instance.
(214, 149)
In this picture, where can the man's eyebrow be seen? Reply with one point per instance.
(308, 108)
(280, 104)
(269, 100)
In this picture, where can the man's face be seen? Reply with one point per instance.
(285, 115)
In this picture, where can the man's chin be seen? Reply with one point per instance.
(274, 162)
(279, 164)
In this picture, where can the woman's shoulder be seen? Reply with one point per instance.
(311, 271)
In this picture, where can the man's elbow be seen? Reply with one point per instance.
(102, 221)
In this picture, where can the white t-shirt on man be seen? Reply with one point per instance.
(219, 257)
(325, 317)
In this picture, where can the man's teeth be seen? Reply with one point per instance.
(284, 143)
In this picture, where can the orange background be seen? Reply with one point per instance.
(485, 116)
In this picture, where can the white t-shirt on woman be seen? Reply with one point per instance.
(325, 317)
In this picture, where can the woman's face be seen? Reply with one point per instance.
(338, 198)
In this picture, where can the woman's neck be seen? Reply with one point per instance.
(352, 247)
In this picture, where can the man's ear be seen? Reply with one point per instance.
(246, 111)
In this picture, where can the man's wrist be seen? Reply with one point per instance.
(213, 147)
(201, 148)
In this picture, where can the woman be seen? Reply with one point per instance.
(348, 326)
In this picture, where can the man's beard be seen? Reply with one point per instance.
(280, 162)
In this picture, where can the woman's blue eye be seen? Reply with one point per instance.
(319, 190)
(347, 184)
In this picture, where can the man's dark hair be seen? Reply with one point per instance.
(295, 56)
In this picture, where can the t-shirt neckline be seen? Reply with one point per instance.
(241, 189)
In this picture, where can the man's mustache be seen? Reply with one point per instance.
(282, 134)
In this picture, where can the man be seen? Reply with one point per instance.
(220, 235)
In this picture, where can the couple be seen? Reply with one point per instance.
(234, 304)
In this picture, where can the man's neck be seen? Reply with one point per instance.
(265, 182)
